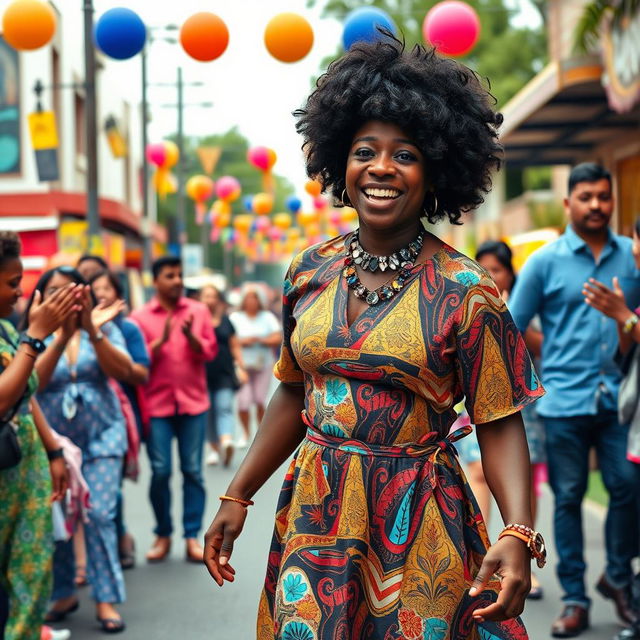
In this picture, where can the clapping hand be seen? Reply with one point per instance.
(48, 315)
(186, 326)
(103, 313)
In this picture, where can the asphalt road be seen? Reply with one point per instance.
(178, 601)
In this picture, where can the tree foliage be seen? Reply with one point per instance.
(587, 33)
(508, 56)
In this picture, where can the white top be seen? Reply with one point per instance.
(263, 324)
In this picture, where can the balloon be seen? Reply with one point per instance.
(248, 203)
(28, 24)
(262, 158)
(288, 37)
(293, 204)
(204, 36)
(120, 33)
(361, 25)
(294, 233)
(282, 220)
(313, 188)
(274, 234)
(452, 27)
(335, 216)
(242, 223)
(319, 203)
(199, 188)
(307, 217)
(348, 214)
(223, 219)
(262, 224)
(262, 204)
(221, 208)
(156, 154)
(172, 154)
(228, 188)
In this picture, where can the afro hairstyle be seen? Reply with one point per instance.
(9, 247)
(439, 103)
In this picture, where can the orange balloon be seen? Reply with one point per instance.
(313, 188)
(288, 37)
(242, 223)
(199, 188)
(28, 24)
(204, 36)
(262, 204)
(282, 220)
(172, 154)
(307, 217)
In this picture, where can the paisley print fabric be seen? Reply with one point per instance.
(377, 534)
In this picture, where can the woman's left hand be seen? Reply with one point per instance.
(59, 478)
(510, 560)
(103, 313)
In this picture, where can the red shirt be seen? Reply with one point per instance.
(177, 380)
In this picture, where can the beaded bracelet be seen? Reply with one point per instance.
(244, 503)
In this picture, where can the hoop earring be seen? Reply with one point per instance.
(345, 203)
(435, 206)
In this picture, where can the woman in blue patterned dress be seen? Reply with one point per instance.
(78, 402)
(386, 329)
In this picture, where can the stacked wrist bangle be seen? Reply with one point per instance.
(630, 323)
(244, 503)
(533, 540)
(55, 454)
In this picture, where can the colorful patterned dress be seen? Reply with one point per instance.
(377, 534)
(26, 531)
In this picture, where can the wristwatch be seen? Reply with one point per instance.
(630, 323)
(37, 345)
(534, 541)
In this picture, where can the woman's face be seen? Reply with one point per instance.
(57, 281)
(210, 297)
(500, 274)
(103, 290)
(10, 290)
(251, 303)
(385, 177)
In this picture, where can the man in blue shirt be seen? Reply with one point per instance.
(581, 379)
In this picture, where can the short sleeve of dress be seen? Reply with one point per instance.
(286, 368)
(494, 369)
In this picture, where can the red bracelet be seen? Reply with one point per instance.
(244, 503)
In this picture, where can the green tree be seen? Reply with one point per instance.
(587, 33)
(232, 162)
(509, 56)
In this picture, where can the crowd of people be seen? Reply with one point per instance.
(394, 353)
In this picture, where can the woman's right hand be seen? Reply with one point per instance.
(219, 539)
(48, 315)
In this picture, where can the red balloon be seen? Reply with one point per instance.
(452, 27)
(204, 36)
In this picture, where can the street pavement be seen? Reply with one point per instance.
(177, 600)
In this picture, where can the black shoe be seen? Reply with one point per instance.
(621, 599)
(54, 615)
(573, 620)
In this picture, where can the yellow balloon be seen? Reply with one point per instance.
(307, 217)
(173, 154)
(223, 219)
(348, 215)
(243, 222)
(282, 220)
(294, 233)
(262, 204)
(221, 208)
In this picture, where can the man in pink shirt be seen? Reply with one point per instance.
(180, 338)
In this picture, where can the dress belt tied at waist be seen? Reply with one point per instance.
(432, 445)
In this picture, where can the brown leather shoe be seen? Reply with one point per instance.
(620, 597)
(573, 620)
(194, 551)
(160, 550)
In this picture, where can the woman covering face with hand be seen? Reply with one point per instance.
(385, 330)
(27, 489)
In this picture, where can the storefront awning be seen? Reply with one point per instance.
(561, 116)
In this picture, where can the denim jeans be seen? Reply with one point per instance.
(222, 421)
(190, 432)
(568, 441)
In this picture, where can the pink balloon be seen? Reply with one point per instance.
(259, 157)
(335, 216)
(227, 186)
(274, 233)
(319, 203)
(452, 27)
(156, 154)
(262, 223)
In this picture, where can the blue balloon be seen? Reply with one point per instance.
(248, 203)
(362, 24)
(294, 204)
(120, 33)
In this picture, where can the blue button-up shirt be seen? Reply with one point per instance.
(579, 342)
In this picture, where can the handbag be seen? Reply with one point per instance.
(10, 453)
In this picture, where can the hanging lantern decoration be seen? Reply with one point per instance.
(262, 204)
(204, 36)
(28, 24)
(364, 24)
(200, 188)
(164, 156)
(263, 159)
(288, 37)
(452, 27)
(120, 33)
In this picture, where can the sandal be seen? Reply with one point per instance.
(111, 625)
(54, 615)
(80, 579)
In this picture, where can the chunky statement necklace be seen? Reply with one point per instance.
(403, 261)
